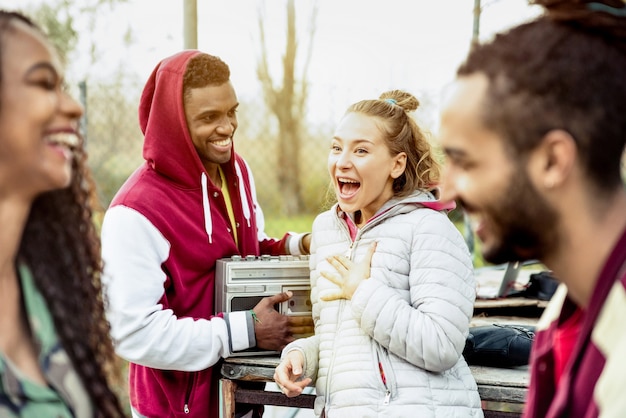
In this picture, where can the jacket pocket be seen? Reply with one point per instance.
(385, 373)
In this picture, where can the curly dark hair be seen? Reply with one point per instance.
(563, 70)
(61, 247)
(403, 134)
(204, 70)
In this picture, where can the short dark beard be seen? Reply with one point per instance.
(524, 221)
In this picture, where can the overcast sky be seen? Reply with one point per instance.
(361, 47)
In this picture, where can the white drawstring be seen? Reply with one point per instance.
(242, 194)
(206, 207)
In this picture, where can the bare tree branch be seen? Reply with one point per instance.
(287, 102)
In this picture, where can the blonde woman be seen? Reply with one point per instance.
(388, 340)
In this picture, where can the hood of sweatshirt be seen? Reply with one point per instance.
(427, 198)
(168, 148)
(422, 198)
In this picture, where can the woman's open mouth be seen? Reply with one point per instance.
(347, 187)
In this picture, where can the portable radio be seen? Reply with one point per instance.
(241, 283)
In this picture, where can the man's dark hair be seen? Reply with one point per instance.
(564, 70)
(204, 70)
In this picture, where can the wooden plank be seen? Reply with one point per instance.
(507, 407)
(500, 414)
(509, 303)
(258, 397)
(502, 394)
(248, 372)
(485, 319)
(265, 361)
(517, 377)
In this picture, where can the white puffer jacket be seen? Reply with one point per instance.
(395, 349)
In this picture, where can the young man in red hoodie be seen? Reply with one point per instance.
(191, 203)
(533, 130)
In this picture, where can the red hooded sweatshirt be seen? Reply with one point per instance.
(161, 237)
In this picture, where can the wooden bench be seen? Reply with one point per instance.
(502, 391)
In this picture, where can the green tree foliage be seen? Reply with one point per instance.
(58, 19)
(59, 26)
(112, 136)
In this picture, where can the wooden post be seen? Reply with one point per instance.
(476, 27)
(228, 398)
(190, 24)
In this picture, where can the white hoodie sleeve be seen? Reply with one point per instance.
(133, 281)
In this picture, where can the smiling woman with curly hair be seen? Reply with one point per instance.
(55, 349)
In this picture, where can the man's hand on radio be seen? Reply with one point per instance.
(273, 331)
(349, 274)
(288, 374)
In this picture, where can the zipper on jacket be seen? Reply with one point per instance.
(352, 243)
(190, 380)
(348, 252)
(331, 366)
(383, 362)
(384, 379)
